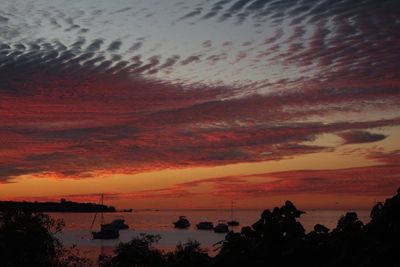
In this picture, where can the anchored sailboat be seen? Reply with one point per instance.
(221, 227)
(105, 232)
(232, 222)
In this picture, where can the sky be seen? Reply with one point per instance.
(194, 104)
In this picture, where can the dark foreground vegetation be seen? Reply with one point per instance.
(62, 206)
(28, 239)
(276, 239)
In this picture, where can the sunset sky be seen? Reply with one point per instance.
(191, 104)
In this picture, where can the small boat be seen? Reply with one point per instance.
(232, 222)
(205, 225)
(221, 227)
(182, 222)
(127, 210)
(117, 224)
(105, 232)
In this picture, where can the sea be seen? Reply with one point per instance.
(77, 230)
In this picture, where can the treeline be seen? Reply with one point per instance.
(62, 206)
(29, 240)
(277, 239)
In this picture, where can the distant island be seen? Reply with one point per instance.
(62, 206)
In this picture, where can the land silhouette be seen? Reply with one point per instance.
(62, 206)
(276, 239)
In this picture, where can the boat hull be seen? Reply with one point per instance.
(181, 225)
(205, 226)
(114, 226)
(221, 229)
(105, 235)
(233, 223)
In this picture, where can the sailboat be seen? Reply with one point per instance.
(232, 222)
(105, 232)
(221, 227)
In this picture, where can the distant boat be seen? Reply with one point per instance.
(221, 227)
(233, 222)
(205, 225)
(127, 210)
(117, 224)
(105, 232)
(182, 222)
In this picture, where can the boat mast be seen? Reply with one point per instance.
(231, 210)
(102, 203)
(95, 215)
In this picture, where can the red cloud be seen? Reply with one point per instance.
(373, 181)
(81, 124)
(75, 111)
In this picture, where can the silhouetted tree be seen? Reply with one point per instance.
(275, 234)
(139, 252)
(278, 239)
(383, 233)
(28, 239)
(188, 254)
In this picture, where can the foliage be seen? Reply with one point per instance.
(188, 254)
(28, 239)
(276, 239)
(138, 252)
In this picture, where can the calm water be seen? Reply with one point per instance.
(77, 230)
